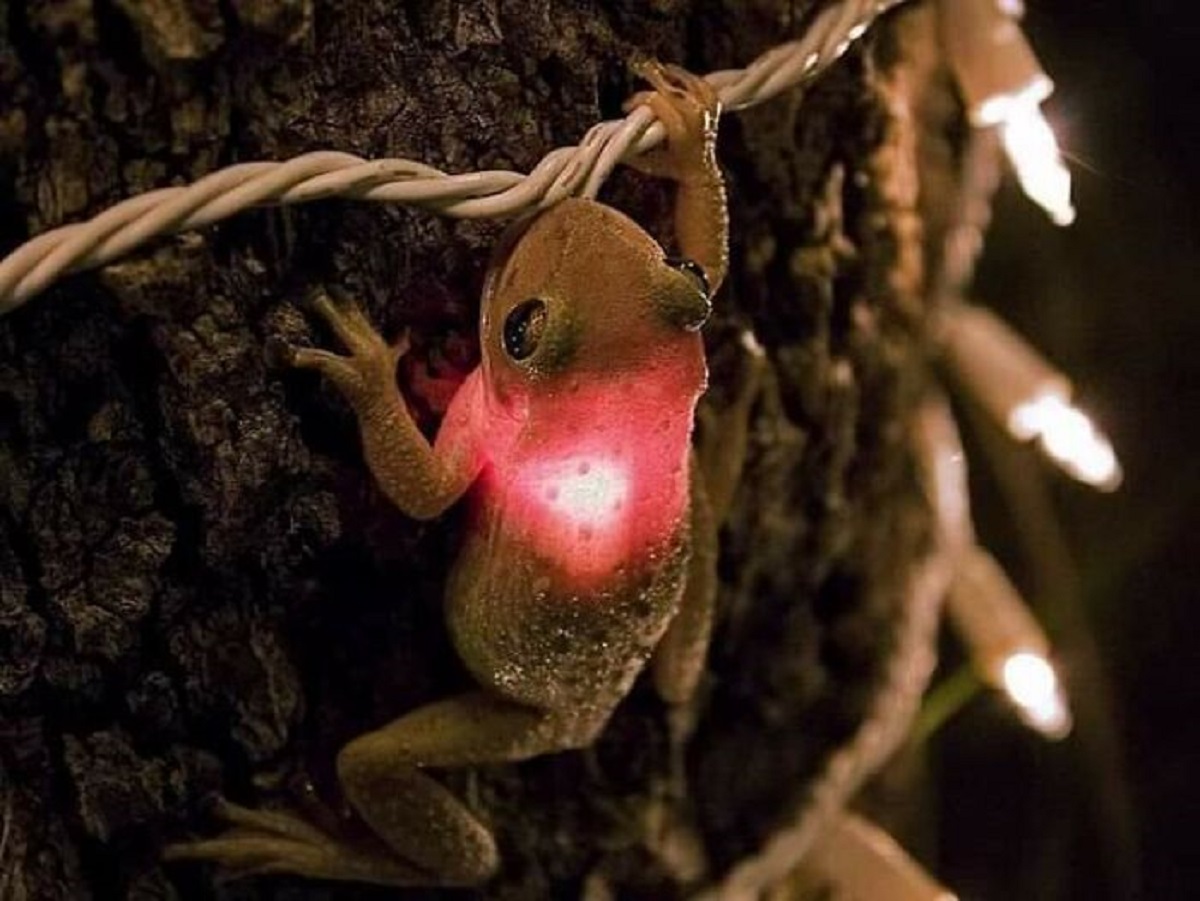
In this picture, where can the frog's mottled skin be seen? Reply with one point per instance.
(590, 544)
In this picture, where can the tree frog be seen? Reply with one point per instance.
(590, 544)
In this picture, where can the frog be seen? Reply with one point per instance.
(590, 542)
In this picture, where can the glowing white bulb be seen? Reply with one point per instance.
(1008, 648)
(997, 109)
(1023, 393)
(1068, 437)
(1032, 685)
(1033, 151)
(1003, 85)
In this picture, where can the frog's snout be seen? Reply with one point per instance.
(685, 310)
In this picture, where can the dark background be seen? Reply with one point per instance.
(1111, 812)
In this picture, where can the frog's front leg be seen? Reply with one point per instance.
(420, 479)
(420, 833)
(689, 109)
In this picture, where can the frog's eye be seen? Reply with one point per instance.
(694, 271)
(524, 327)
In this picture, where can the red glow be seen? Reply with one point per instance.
(587, 492)
(590, 476)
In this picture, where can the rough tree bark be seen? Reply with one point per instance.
(201, 590)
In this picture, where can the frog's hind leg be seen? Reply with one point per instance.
(679, 660)
(419, 819)
(716, 469)
(266, 842)
(420, 833)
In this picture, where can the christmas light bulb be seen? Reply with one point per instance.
(1022, 392)
(1033, 151)
(1032, 685)
(1008, 648)
(1069, 437)
(999, 108)
(1003, 85)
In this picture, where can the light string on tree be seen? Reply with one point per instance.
(887, 724)
(1002, 87)
(1008, 648)
(998, 370)
(564, 172)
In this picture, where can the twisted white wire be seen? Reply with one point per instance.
(888, 722)
(563, 172)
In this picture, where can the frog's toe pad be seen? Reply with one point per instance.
(266, 842)
(242, 853)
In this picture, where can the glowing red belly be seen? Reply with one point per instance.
(598, 477)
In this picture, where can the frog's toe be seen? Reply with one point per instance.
(347, 320)
(267, 842)
(695, 87)
(240, 853)
(253, 835)
(267, 822)
(681, 88)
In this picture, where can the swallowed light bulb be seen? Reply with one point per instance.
(586, 492)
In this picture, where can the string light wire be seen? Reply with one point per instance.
(894, 706)
(324, 174)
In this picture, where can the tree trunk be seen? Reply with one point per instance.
(201, 589)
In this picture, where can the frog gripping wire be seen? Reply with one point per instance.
(324, 174)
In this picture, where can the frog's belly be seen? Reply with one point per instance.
(524, 632)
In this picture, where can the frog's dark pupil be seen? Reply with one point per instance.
(523, 328)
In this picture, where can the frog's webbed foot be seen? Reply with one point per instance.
(265, 842)
(369, 371)
(688, 108)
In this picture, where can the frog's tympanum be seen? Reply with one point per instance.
(590, 544)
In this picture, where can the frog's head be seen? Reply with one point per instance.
(582, 289)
